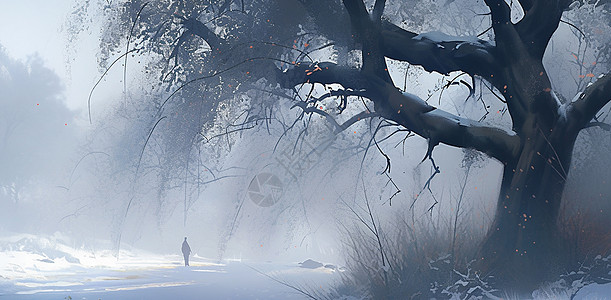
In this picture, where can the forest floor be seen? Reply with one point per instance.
(39, 268)
(31, 269)
(153, 279)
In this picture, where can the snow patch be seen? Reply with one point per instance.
(440, 37)
(26, 273)
(594, 291)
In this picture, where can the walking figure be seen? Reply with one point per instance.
(186, 250)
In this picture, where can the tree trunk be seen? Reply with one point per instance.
(521, 247)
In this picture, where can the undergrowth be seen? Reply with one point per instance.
(422, 258)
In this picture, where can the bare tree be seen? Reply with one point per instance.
(535, 154)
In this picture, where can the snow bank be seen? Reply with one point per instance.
(34, 267)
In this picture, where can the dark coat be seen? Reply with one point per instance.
(186, 250)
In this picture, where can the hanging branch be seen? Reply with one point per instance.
(127, 48)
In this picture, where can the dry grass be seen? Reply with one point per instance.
(418, 260)
(582, 238)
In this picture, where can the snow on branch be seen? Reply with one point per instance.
(438, 52)
(412, 112)
(583, 109)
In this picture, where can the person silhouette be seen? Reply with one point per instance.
(186, 250)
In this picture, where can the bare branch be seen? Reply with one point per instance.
(378, 10)
(198, 28)
(356, 118)
(369, 33)
(440, 126)
(127, 47)
(102, 77)
(309, 109)
(446, 55)
(294, 287)
(412, 112)
(539, 23)
(325, 73)
(594, 98)
(501, 15)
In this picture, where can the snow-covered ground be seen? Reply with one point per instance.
(41, 268)
(35, 267)
(595, 292)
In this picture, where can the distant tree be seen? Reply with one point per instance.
(263, 48)
(35, 124)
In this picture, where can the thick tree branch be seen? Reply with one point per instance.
(508, 42)
(581, 111)
(323, 73)
(501, 16)
(439, 52)
(358, 15)
(439, 126)
(505, 65)
(539, 23)
(378, 10)
(195, 27)
(412, 112)
(524, 81)
(368, 32)
(198, 28)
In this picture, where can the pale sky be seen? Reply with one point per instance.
(38, 27)
(34, 26)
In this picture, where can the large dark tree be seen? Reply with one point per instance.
(251, 48)
(520, 244)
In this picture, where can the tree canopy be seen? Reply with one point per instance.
(203, 55)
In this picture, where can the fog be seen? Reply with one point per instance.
(100, 184)
(56, 176)
(53, 180)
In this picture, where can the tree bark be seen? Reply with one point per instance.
(520, 248)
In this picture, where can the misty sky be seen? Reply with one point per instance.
(44, 34)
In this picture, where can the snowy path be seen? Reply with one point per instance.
(43, 268)
(156, 278)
